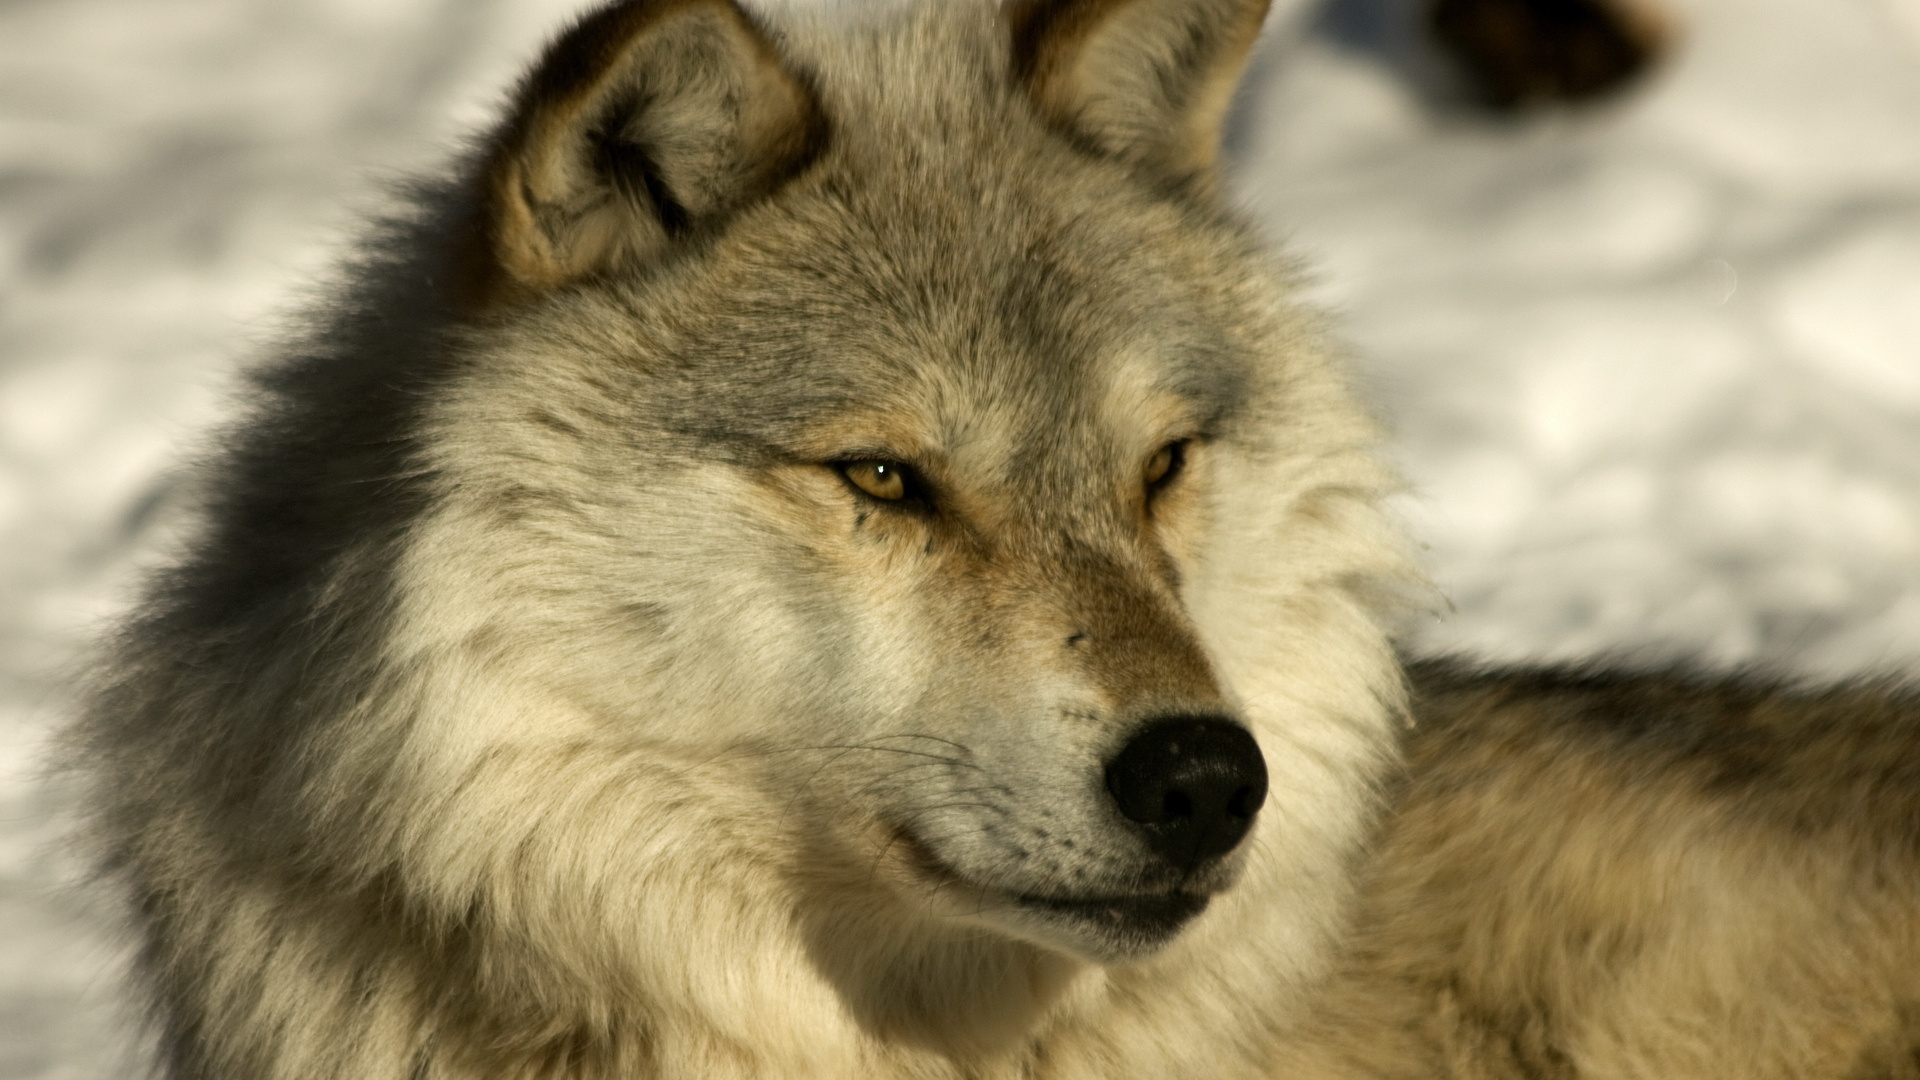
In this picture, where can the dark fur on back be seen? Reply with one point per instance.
(1818, 761)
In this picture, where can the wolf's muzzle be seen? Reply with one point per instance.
(1192, 784)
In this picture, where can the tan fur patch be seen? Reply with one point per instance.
(1129, 77)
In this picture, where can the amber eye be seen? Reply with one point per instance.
(1165, 464)
(888, 481)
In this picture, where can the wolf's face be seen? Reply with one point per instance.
(983, 514)
(868, 438)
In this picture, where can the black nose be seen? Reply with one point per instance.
(1193, 783)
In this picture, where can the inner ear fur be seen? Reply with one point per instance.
(1147, 81)
(648, 119)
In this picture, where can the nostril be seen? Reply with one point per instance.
(1175, 805)
(1192, 784)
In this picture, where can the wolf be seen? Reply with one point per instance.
(827, 549)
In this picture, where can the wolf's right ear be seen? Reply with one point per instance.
(1145, 81)
(647, 119)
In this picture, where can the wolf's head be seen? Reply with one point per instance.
(880, 446)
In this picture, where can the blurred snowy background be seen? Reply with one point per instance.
(1654, 367)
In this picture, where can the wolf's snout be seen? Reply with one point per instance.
(1193, 784)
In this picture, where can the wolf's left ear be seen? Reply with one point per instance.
(1148, 81)
(648, 119)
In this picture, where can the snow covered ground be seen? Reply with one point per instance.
(1654, 369)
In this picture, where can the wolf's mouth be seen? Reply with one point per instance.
(1145, 917)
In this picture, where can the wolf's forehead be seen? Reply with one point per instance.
(991, 385)
(953, 308)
